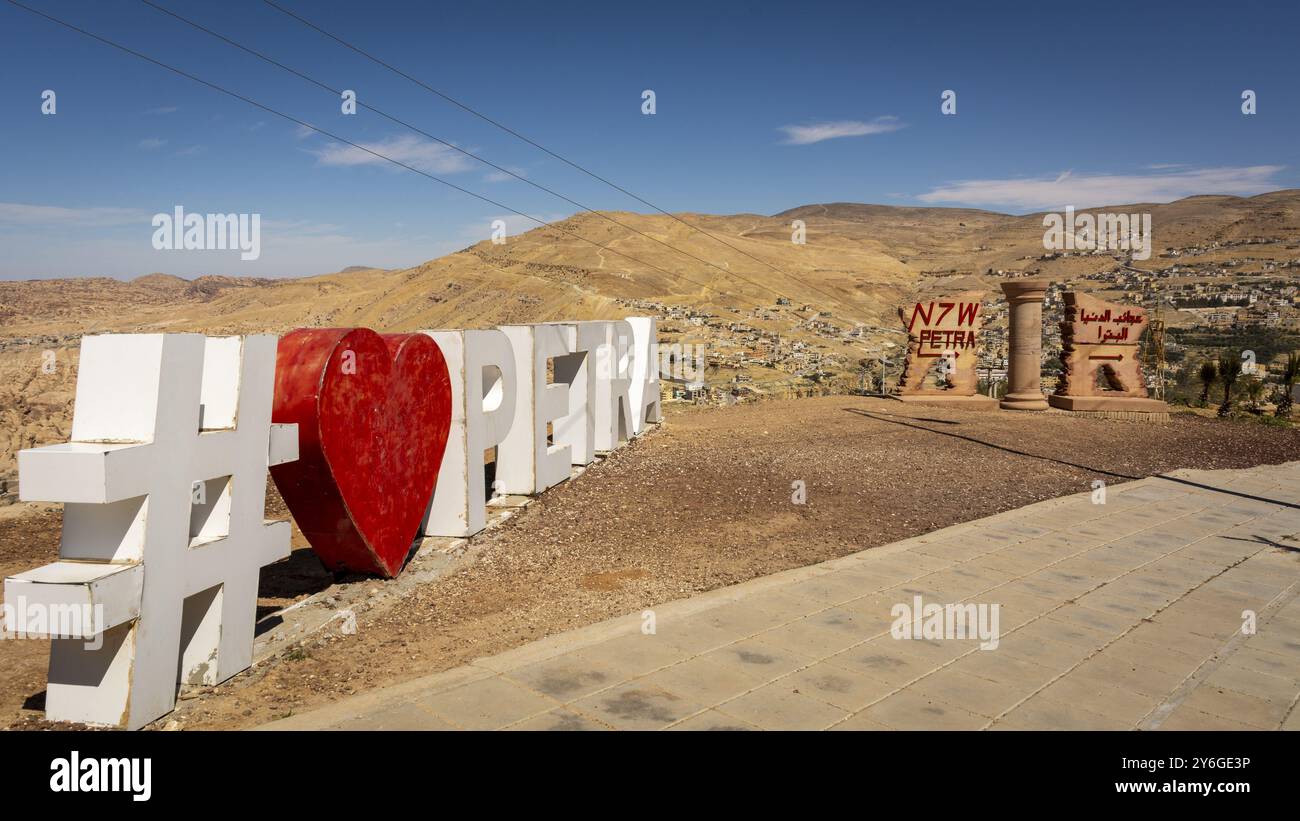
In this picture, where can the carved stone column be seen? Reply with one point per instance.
(1025, 327)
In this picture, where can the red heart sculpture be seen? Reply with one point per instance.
(373, 414)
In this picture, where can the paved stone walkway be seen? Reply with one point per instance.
(1121, 615)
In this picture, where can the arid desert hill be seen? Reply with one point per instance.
(859, 262)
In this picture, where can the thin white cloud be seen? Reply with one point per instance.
(1092, 190)
(193, 150)
(424, 155)
(817, 132)
(26, 214)
(501, 176)
(152, 143)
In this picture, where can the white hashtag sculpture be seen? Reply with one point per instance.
(164, 484)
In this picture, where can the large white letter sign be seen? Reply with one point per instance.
(481, 365)
(577, 429)
(163, 532)
(614, 362)
(526, 462)
(644, 390)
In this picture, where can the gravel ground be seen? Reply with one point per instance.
(704, 502)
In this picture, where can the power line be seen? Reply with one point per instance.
(538, 146)
(333, 136)
(450, 145)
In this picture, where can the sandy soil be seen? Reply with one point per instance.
(704, 502)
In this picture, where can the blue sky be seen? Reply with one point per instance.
(760, 107)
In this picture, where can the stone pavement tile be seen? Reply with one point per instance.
(1184, 616)
(1061, 545)
(890, 663)
(487, 704)
(1101, 697)
(1040, 713)
(760, 611)
(1282, 624)
(1094, 571)
(1020, 527)
(1187, 718)
(1133, 651)
(1007, 670)
(633, 655)
(874, 576)
(953, 584)
(401, 716)
(970, 693)
(1067, 584)
(1229, 704)
(1074, 634)
(1016, 563)
(559, 719)
(1131, 675)
(690, 636)
(1218, 550)
(957, 549)
(874, 612)
(809, 638)
(1187, 529)
(1225, 600)
(1081, 541)
(909, 710)
(837, 686)
(1152, 580)
(1293, 720)
(1016, 592)
(1254, 683)
(1106, 622)
(1238, 582)
(703, 681)
(714, 721)
(1121, 559)
(566, 678)
(858, 625)
(936, 651)
(1253, 658)
(862, 723)
(828, 589)
(894, 568)
(1216, 519)
(991, 542)
(782, 706)
(1045, 652)
(1039, 584)
(637, 706)
(1160, 634)
(1016, 606)
(1134, 605)
(758, 660)
(929, 591)
(977, 570)
(1154, 541)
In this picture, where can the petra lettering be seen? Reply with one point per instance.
(372, 440)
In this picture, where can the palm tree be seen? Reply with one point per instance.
(1229, 372)
(1208, 375)
(1290, 374)
(1254, 389)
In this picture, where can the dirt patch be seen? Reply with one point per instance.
(608, 582)
(707, 501)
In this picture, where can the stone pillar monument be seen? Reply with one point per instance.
(1025, 328)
